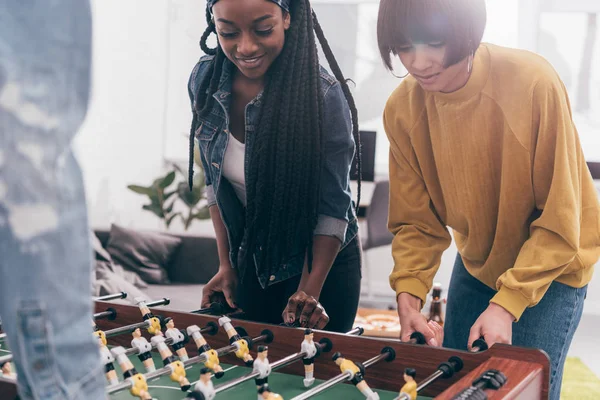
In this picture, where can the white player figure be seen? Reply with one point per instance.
(144, 349)
(107, 359)
(203, 389)
(178, 339)
(310, 348)
(262, 367)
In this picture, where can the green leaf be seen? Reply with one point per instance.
(190, 198)
(167, 195)
(167, 180)
(171, 218)
(203, 213)
(169, 208)
(141, 189)
(154, 209)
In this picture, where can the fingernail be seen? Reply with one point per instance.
(433, 342)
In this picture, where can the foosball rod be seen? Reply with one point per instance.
(445, 370)
(386, 353)
(357, 331)
(323, 343)
(111, 313)
(115, 296)
(265, 336)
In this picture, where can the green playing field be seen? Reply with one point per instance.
(286, 385)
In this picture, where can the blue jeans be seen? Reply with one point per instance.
(549, 326)
(45, 262)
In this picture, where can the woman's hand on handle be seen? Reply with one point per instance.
(223, 284)
(411, 320)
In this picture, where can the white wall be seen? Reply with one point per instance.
(122, 141)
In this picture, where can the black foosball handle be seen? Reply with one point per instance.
(479, 345)
(417, 338)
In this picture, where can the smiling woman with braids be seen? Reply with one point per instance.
(277, 136)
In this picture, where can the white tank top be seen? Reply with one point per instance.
(233, 167)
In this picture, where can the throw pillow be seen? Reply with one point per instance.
(146, 253)
(99, 252)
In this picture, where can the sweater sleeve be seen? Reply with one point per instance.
(558, 168)
(420, 237)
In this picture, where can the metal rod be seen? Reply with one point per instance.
(375, 360)
(278, 364)
(430, 379)
(166, 370)
(426, 382)
(338, 379)
(121, 295)
(324, 386)
(108, 314)
(126, 329)
(358, 331)
(163, 302)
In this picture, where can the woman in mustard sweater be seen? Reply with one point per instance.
(482, 141)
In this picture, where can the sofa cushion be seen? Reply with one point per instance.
(148, 254)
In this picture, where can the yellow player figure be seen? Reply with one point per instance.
(176, 366)
(409, 390)
(144, 349)
(154, 324)
(310, 348)
(212, 357)
(265, 393)
(139, 386)
(243, 353)
(107, 358)
(356, 376)
(178, 343)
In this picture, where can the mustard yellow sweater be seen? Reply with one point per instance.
(499, 161)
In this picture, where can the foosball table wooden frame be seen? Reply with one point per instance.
(527, 371)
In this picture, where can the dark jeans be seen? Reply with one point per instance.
(339, 296)
(550, 325)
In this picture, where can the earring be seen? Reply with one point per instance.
(470, 63)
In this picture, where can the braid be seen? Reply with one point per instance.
(208, 86)
(285, 162)
(337, 72)
(209, 29)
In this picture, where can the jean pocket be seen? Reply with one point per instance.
(36, 346)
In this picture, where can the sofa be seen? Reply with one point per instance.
(194, 260)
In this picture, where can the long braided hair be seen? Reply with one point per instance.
(282, 181)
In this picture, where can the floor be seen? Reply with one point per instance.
(585, 343)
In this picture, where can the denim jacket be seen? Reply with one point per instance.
(336, 212)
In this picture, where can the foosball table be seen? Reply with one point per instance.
(154, 353)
